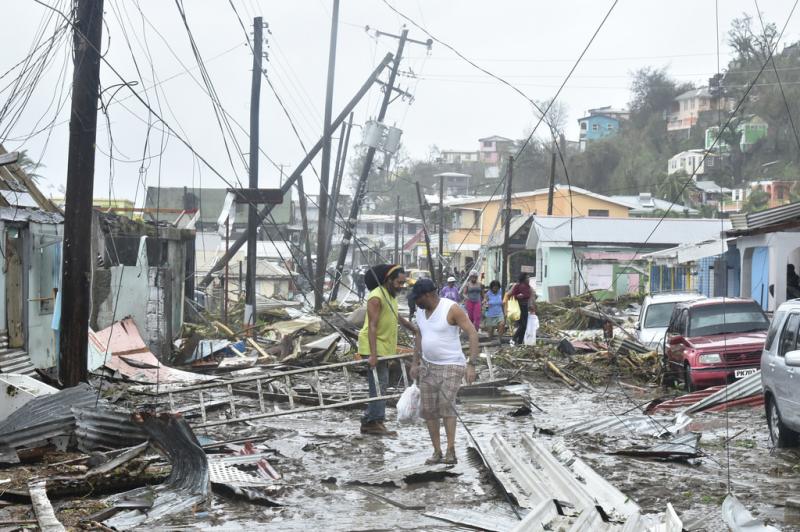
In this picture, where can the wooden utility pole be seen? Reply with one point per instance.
(301, 194)
(252, 213)
(361, 187)
(397, 232)
(440, 271)
(507, 224)
(338, 179)
(425, 228)
(327, 132)
(292, 178)
(77, 262)
(552, 187)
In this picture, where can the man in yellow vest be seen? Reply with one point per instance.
(378, 338)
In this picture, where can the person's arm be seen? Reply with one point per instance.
(456, 316)
(417, 359)
(373, 313)
(408, 325)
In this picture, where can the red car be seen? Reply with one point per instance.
(714, 341)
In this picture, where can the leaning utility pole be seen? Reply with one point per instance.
(252, 214)
(327, 132)
(440, 271)
(292, 178)
(362, 180)
(425, 228)
(552, 187)
(338, 177)
(301, 195)
(77, 262)
(507, 223)
(397, 232)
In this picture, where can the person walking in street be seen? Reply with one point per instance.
(361, 285)
(378, 338)
(450, 290)
(522, 292)
(495, 313)
(440, 365)
(473, 293)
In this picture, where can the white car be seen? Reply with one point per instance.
(654, 317)
(780, 364)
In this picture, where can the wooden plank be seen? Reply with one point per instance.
(9, 158)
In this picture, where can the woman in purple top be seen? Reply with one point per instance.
(450, 290)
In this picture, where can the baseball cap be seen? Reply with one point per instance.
(423, 286)
(451, 279)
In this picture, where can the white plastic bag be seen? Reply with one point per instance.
(409, 405)
(530, 329)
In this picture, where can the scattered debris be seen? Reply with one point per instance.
(739, 519)
(406, 475)
(745, 392)
(42, 507)
(16, 390)
(682, 447)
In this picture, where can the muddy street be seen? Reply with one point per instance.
(332, 475)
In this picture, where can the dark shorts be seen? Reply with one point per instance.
(438, 387)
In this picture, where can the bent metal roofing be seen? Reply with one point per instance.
(550, 230)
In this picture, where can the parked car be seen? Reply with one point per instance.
(714, 341)
(780, 368)
(413, 275)
(654, 317)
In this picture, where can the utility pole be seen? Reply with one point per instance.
(440, 272)
(552, 187)
(226, 277)
(397, 232)
(301, 194)
(507, 223)
(361, 187)
(77, 262)
(338, 179)
(292, 178)
(425, 228)
(252, 214)
(327, 132)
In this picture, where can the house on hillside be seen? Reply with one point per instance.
(752, 130)
(692, 162)
(600, 123)
(686, 108)
(476, 221)
(645, 204)
(580, 254)
(493, 152)
(768, 242)
(710, 193)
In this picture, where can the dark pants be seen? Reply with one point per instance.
(376, 410)
(361, 291)
(522, 324)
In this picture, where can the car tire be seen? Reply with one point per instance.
(688, 383)
(780, 434)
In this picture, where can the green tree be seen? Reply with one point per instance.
(29, 166)
(758, 200)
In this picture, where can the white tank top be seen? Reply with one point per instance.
(441, 343)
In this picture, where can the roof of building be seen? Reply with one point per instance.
(622, 231)
(710, 186)
(702, 92)
(496, 138)
(609, 109)
(385, 218)
(538, 192)
(610, 116)
(19, 190)
(210, 202)
(778, 218)
(451, 174)
(646, 203)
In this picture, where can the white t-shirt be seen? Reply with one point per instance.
(441, 342)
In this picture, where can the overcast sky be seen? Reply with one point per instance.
(532, 44)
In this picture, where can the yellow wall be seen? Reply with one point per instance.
(581, 204)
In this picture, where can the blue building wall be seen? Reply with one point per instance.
(668, 279)
(759, 280)
(602, 122)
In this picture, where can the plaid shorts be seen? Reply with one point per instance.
(438, 388)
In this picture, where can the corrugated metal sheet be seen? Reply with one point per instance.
(639, 424)
(774, 216)
(45, 418)
(541, 516)
(680, 447)
(493, 521)
(105, 428)
(16, 361)
(747, 391)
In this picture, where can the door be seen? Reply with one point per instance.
(676, 339)
(759, 277)
(785, 378)
(15, 300)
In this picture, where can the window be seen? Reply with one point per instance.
(610, 127)
(599, 212)
(725, 318)
(583, 126)
(49, 261)
(773, 329)
(709, 161)
(658, 315)
(789, 336)
(370, 229)
(388, 229)
(516, 212)
(595, 127)
(487, 144)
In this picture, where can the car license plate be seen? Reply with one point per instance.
(741, 373)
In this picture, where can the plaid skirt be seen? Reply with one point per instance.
(438, 387)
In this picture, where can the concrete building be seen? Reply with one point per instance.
(605, 254)
(600, 123)
(692, 162)
(686, 108)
